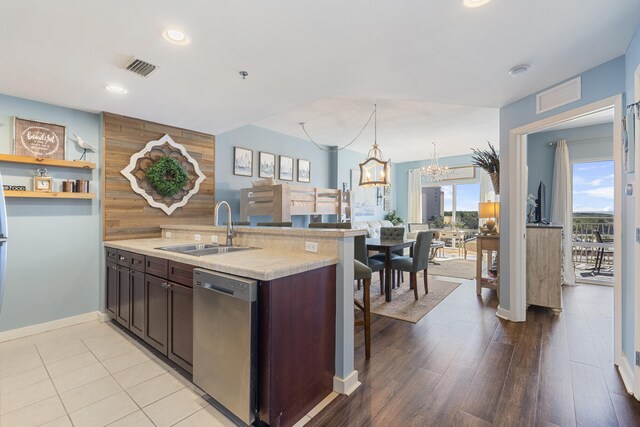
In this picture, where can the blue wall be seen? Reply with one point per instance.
(587, 143)
(401, 187)
(54, 245)
(259, 139)
(598, 83)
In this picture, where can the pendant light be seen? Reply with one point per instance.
(375, 171)
(435, 172)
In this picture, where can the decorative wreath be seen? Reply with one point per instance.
(167, 176)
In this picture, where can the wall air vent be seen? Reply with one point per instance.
(559, 95)
(140, 67)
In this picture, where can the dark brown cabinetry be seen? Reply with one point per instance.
(157, 312)
(180, 348)
(153, 298)
(296, 357)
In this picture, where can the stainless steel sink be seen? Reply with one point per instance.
(202, 249)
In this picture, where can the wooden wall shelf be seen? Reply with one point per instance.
(79, 164)
(49, 195)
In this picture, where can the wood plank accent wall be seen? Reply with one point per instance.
(125, 214)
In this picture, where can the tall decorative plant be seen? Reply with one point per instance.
(489, 160)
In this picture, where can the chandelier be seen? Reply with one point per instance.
(435, 172)
(375, 171)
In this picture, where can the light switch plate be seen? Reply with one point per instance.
(197, 237)
(168, 234)
(311, 246)
(214, 238)
(637, 235)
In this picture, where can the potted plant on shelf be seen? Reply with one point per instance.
(488, 160)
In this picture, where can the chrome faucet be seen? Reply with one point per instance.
(230, 232)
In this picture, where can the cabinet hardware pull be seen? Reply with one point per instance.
(122, 258)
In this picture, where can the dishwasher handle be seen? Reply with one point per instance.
(225, 284)
(214, 288)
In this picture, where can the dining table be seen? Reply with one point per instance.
(387, 247)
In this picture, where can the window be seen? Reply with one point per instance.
(451, 204)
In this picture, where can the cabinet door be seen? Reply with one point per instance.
(136, 321)
(123, 307)
(181, 325)
(156, 302)
(111, 288)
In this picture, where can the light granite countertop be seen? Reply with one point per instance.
(259, 264)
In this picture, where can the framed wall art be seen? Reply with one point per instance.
(304, 170)
(286, 168)
(242, 161)
(38, 139)
(266, 165)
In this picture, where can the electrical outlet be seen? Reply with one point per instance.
(197, 237)
(214, 238)
(311, 246)
(167, 234)
(637, 358)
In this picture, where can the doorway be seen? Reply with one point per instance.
(518, 175)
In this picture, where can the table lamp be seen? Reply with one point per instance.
(491, 212)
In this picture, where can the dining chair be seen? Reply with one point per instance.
(419, 261)
(363, 273)
(275, 224)
(360, 250)
(392, 233)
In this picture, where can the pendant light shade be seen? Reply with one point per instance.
(375, 171)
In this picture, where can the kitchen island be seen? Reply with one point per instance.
(305, 301)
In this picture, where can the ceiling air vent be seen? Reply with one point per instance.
(559, 95)
(140, 67)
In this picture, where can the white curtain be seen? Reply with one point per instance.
(415, 197)
(487, 193)
(562, 207)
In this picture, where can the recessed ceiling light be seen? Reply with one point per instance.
(116, 89)
(175, 36)
(475, 3)
(518, 70)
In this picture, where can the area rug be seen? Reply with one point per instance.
(404, 306)
(460, 268)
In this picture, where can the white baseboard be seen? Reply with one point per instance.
(103, 317)
(503, 314)
(346, 385)
(626, 372)
(49, 326)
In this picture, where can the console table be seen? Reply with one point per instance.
(491, 244)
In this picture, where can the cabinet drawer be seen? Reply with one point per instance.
(124, 258)
(137, 262)
(112, 255)
(156, 266)
(181, 273)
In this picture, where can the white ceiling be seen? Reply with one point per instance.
(302, 55)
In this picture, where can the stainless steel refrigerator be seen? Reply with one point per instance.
(3, 240)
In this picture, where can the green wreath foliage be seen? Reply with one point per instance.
(167, 176)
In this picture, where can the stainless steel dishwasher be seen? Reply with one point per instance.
(225, 340)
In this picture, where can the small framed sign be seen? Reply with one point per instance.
(42, 183)
(38, 139)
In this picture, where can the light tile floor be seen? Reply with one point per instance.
(93, 374)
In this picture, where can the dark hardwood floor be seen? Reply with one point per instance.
(463, 366)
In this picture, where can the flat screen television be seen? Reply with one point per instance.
(541, 202)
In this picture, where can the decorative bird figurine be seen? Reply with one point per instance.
(84, 145)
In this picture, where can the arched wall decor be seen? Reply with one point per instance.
(135, 172)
